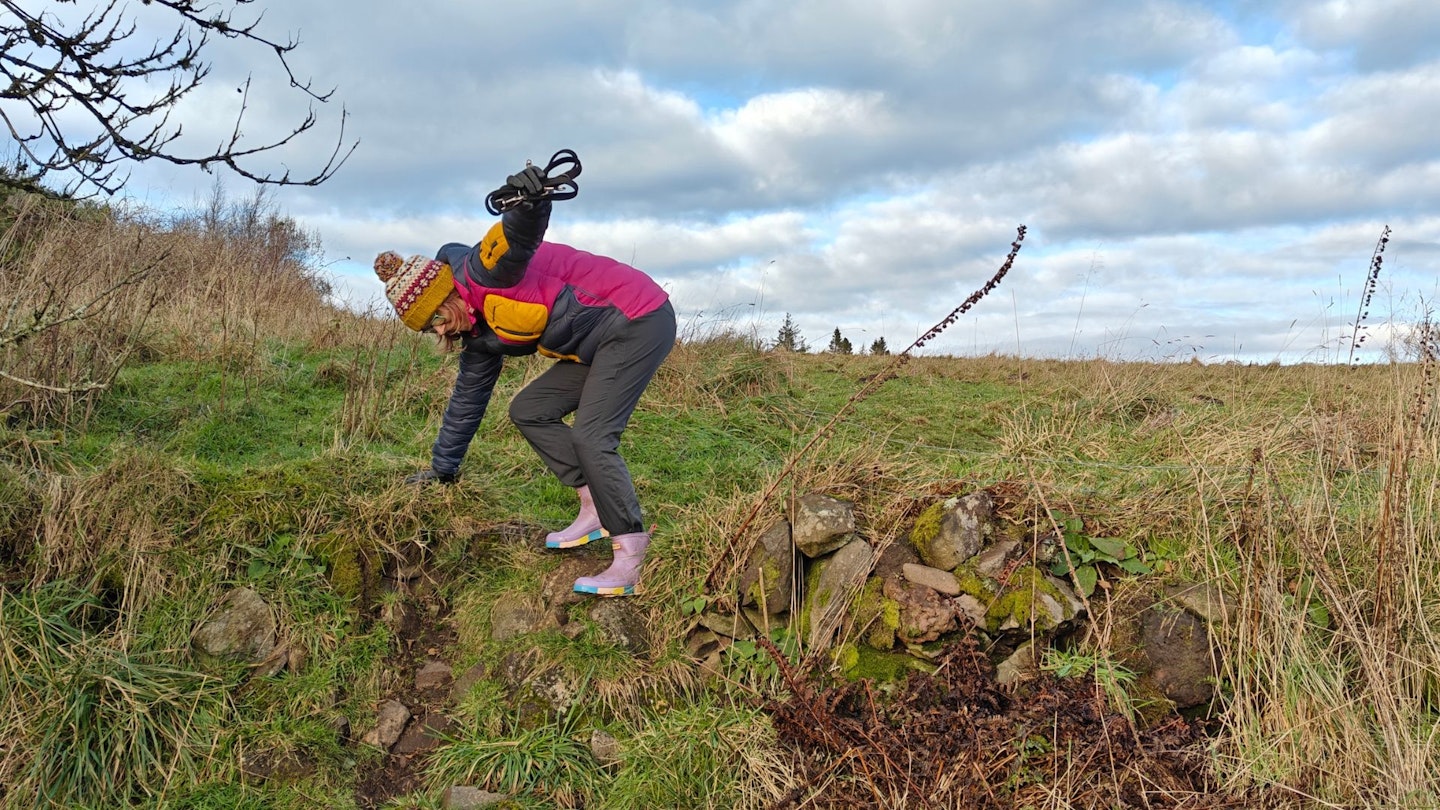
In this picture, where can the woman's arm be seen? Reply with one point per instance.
(473, 385)
(499, 259)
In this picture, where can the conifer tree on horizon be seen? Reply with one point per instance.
(789, 337)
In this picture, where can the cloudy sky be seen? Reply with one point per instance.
(1198, 179)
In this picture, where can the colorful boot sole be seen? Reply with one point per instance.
(579, 541)
(626, 590)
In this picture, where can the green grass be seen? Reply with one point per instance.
(124, 532)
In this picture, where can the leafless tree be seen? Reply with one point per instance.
(84, 100)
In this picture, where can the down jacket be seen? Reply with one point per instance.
(529, 296)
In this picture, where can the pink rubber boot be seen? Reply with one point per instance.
(583, 529)
(620, 578)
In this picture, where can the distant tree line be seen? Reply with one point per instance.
(789, 339)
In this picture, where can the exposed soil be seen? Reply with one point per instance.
(957, 739)
(423, 634)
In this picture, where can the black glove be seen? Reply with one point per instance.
(530, 181)
(530, 185)
(424, 477)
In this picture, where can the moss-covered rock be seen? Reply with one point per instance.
(927, 525)
(768, 578)
(973, 583)
(924, 614)
(876, 615)
(950, 532)
(864, 663)
(351, 568)
(830, 587)
(1030, 600)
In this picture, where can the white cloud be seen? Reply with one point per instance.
(1197, 175)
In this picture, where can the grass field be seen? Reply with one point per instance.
(241, 432)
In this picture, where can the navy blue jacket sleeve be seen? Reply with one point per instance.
(499, 259)
(473, 385)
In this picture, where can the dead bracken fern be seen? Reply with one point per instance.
(733, 556)
(957, 739)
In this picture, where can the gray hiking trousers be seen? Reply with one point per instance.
(602, 396)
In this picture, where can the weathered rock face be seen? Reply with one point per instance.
(924, 614)
(832, 583)
(1165, 642)
(769, 578)
(822, 524)
(953, 531)
(1181, 661)
(242, 630)
(621, 624)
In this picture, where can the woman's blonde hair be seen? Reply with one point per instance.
(447, 343)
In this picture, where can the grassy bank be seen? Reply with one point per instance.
(243, 433)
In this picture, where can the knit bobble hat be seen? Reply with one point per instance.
(417, 286)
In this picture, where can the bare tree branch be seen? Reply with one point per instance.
(52, 72)
(44, 320)
(78, 388)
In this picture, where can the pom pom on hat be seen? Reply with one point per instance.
(416, 286)
(387, 263)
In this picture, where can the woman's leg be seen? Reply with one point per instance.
(539, 410)
(624, 364)
(623, 367)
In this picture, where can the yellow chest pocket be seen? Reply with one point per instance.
(516, 321)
